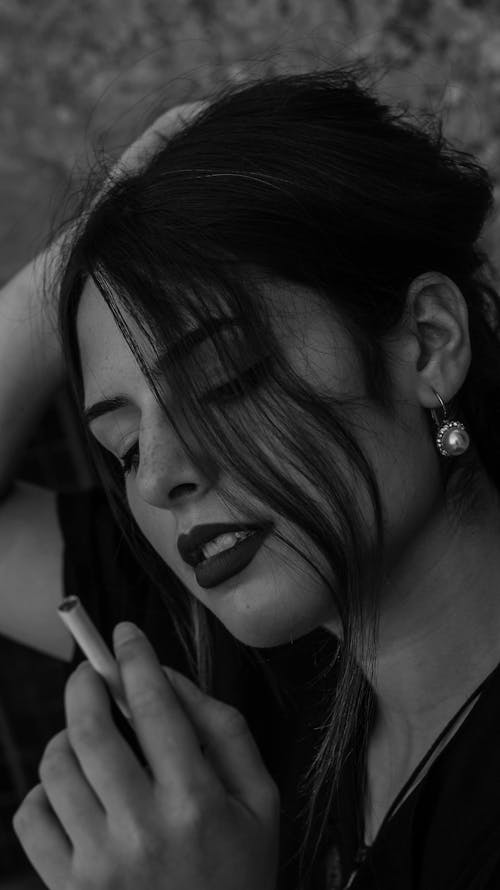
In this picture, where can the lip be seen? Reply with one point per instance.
(221, 567)
(189, 545)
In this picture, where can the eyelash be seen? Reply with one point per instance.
(228, 391)
(127, 461)
(234, 388)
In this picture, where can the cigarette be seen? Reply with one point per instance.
(84, 631)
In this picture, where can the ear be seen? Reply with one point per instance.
(439, 319)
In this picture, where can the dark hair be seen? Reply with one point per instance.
(311, 179)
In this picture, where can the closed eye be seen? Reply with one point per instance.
(238, 387)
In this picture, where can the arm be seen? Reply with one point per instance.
(31, 366)
(31, 371)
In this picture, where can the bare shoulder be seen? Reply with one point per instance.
(31, 570)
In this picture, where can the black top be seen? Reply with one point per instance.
(445, 835)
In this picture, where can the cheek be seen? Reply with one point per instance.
(407, 468)
(156, 525)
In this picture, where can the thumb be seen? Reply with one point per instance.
(227, 743)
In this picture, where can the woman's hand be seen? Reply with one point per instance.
(167, 124)
(100, 821)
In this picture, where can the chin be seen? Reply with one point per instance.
(255, 631)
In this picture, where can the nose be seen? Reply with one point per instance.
(167, 476)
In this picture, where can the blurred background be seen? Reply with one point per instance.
(76, 79)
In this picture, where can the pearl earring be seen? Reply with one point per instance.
(452, 439)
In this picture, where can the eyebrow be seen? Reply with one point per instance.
(161, 365)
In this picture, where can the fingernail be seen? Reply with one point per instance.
(125, 631)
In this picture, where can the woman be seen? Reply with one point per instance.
(283, 319)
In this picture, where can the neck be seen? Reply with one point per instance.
(439, 632)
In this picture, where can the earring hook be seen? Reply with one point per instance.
(433, 410)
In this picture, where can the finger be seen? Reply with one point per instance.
(170, 120)
(165, 733)
(43, 839)
(109, 765)
(154, 136)
(73, 801)
(228, 742)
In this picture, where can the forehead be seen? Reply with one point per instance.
(94, 319)
(104, 352)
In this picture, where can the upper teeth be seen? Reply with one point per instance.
(223, 542)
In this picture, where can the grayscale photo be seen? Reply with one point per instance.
(250, 445)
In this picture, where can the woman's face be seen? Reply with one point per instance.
(277, 597)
